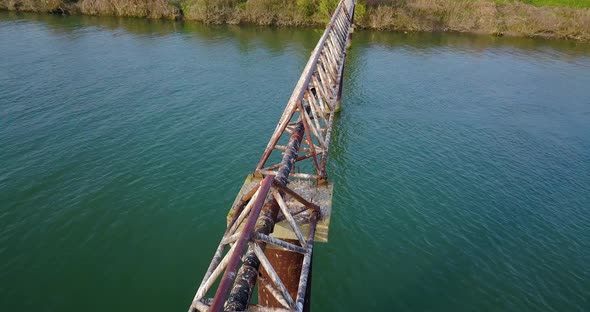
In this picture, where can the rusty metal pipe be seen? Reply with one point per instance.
(240, 247)
(246, 278)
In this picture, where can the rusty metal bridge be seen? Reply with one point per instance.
(285, 205)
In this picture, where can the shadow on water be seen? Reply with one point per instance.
(277, 39)
(468, 42)
(247, 36)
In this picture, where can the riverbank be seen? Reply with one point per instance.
(499, 17)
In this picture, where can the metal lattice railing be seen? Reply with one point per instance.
(307, 122)
(317, 95)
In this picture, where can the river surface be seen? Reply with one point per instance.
(461, 164)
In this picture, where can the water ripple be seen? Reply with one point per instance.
(461, 164)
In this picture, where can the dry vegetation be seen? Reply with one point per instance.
(141, 8)
(511, 17)
(260, 12)
(32, 5)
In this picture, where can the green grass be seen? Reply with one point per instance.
(554, 3)
(538, 3)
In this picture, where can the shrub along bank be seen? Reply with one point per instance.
(547, 18)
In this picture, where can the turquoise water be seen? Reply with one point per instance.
(461, 164)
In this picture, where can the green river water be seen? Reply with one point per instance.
(461, 164)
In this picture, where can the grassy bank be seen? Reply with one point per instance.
(491, 17)
(547, 18)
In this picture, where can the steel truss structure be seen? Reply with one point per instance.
(241, 259)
